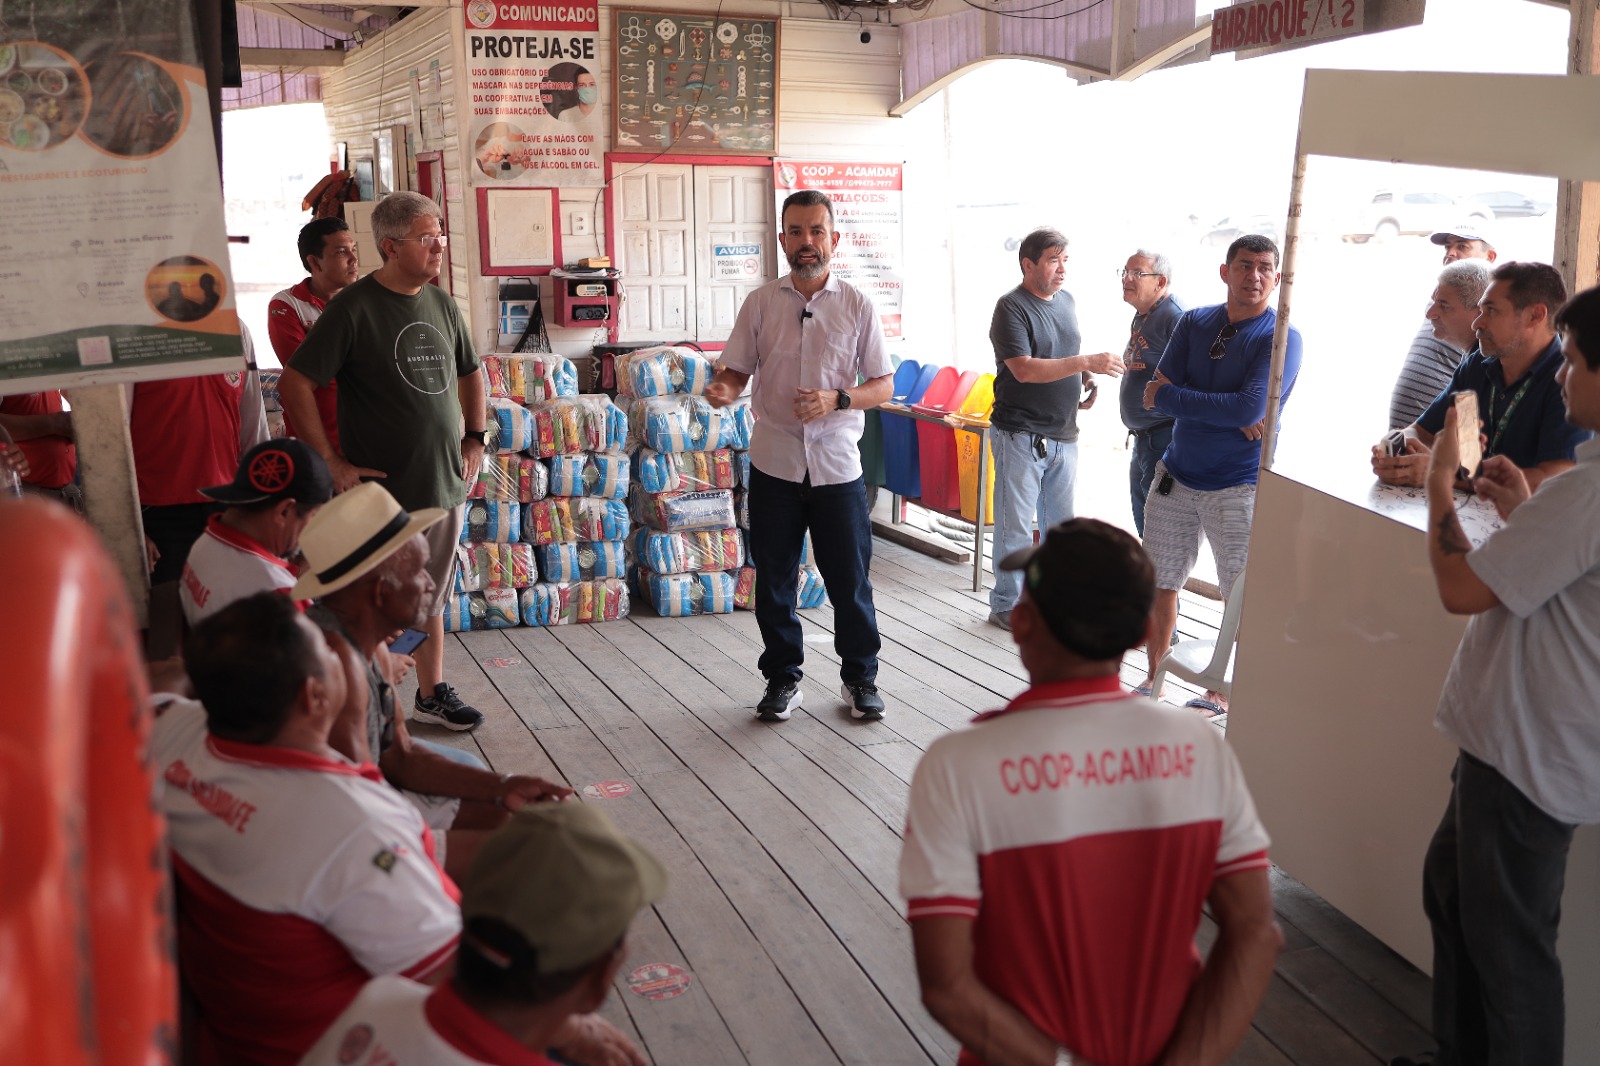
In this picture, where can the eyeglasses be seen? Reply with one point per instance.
(1219, 347)
(439, 241)
(1125, 273)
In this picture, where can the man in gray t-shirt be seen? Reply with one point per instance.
(1039, 385)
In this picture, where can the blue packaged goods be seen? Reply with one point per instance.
(677, 553)
(663, 371)
(531, 378)
(690, 424)
(562, 518)
(465, 612)
(578, 424)
(677, 512)
(602, 474)
(581, 560)
(494, 520)
(680, 471)
(510, 426)
(575, 603)
(482, 566)
(682, 595)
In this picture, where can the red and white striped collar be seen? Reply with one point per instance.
(1064, 693)
(472, 1034)
(272, 757)
(241, 541)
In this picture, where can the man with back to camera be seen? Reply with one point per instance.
(1146, 287)
(1519, 704)
(1514, 374)
(546, 911)
(1213, 379)
(807, 338)
(408, 378)
(1039, 386)
(279, 486)
(328, 252)
(1437, 351)
(1058, 852)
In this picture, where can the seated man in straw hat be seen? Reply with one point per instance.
(545, 920)
(366, 568)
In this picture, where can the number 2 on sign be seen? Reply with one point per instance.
(1334, 20)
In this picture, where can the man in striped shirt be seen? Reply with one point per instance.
(1439, 346)
(1058, 851)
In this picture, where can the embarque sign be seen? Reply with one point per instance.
(1263, 26)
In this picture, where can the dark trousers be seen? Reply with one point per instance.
(175, 528)
(1149, 445)
(1492, 884)
(841, 548)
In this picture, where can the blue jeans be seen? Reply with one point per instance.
(1026, 486)
(1149, 445)
(1491, 887)
(465, 758)
(781, 512)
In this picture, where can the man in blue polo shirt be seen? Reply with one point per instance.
(1513, 371)
(1212, 380)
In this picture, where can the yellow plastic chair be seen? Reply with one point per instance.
(978, 404)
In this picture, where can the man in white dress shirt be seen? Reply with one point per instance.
(808, 338)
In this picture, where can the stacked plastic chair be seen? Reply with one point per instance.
(978, 405)
(901, 460)
(936, 444)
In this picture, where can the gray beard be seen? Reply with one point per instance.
(808, 271)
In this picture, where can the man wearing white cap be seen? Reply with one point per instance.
(546, 921)
(366, 568)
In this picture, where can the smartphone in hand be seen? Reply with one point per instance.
(407, 642)
(1466, 403)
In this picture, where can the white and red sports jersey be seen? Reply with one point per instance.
(1081, 829)
(298, 879)
(395, 1022)
(226, 565)
(290, 315)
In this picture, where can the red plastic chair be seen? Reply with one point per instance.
(936, 444)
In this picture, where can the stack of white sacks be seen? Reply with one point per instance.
(542, 542)
(687, 551)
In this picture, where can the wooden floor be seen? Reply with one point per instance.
(782, 841)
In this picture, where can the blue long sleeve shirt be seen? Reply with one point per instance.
(1213, 399)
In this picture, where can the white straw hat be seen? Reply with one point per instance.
(352, 534)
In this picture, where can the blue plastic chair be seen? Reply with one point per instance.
(902, 464)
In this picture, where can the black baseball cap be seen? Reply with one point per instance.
(279, 469)
(1093, 585)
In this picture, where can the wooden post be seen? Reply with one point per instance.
(1280, 332)
(110, 489)
(1577, 251)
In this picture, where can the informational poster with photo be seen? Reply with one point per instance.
(869, 214)
(534, 76)
(114, 255)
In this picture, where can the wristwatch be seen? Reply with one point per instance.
(479, 435)
(843, 402)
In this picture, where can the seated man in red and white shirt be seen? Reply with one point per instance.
(547, 908)
(1057, 853)
(279, 486)
(299, 874)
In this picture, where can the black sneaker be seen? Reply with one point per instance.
(864, 701)
(446, 708)
(782, 697)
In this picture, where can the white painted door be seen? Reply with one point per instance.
(671, 220)
(733, 218)
(655, 227)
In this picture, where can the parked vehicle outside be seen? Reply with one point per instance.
(1507, 204)
(1393, 212)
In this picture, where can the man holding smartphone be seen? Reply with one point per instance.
(1513, 373)
(1213, 380)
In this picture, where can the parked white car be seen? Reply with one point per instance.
(1393, 212)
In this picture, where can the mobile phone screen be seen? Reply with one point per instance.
(408, 641)
(1467, 431)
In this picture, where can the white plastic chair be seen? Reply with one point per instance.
(1207, 663)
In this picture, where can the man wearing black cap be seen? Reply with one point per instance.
(1057, 852)
(546, 915)
(279, 485)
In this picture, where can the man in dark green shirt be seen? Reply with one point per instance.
(411, 405)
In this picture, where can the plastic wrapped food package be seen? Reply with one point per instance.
(678, 553)
(602, 474)
(514, 478)
(809, 590)
(575, 603)
(662, 371)
(482, 566)
(492, 520)
(510, 426)
(582, 560)
(491, 609)
(677, 512)
(690, 424)
(681, 595)
(741, 508)
(561, 519)
(578, 424)
(685, 471)
(531, 378)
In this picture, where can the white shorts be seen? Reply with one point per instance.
(442, 538)
(439, 812)
(1176, 523)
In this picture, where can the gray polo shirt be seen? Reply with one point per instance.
(1522, 692)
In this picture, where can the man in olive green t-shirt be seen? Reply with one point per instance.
(408, 379)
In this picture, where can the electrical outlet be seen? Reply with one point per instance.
(582, 223)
